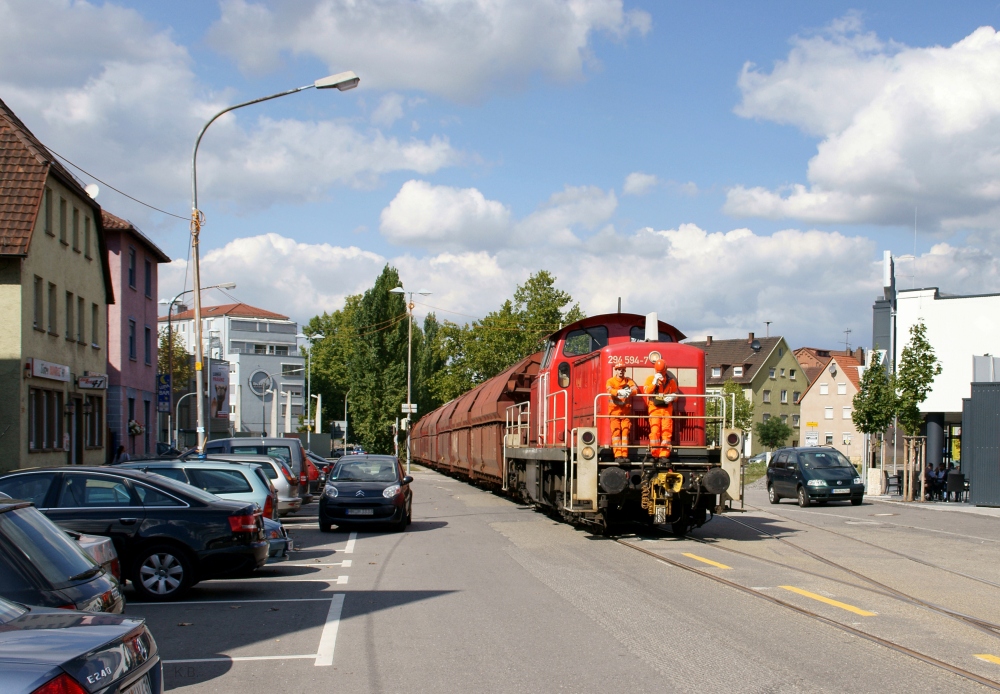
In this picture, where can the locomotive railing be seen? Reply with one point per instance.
(553, 420)
(516, 431)
(706, 418)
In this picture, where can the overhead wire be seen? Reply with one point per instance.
(480, 320)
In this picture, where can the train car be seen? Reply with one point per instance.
(540, 431)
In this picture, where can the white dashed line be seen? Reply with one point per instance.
(341, 580)
(349, 549)
(225, 602)
(237, 658)
(328, 641)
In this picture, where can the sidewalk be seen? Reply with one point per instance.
(958, 506)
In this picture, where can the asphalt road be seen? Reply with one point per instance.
(483, 595)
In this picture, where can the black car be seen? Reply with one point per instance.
(813, 475)
(47, 651)
(40, 564)
(168, 535)
(366, 490)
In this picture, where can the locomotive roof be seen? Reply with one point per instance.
(620, 319)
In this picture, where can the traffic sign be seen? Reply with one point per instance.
(409, 409)
(163, 392)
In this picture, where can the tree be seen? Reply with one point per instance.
(917, 368)
(874, 404)
(744, 409)
(773, 433)
(182, 362)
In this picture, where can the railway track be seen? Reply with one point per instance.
(892, 645)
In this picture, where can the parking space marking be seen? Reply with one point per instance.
(988, 658)
(349, 549)
(238, 659)
(272, 579)
(341, 580)
(828, 601)
(706, 561)
(346, 563)
(225, 602)
(328, 640)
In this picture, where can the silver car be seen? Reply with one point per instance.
(277, 471)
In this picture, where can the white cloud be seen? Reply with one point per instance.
(462, 49)
(119, 97)
(638, 183)
(901, 128)
(389, 110)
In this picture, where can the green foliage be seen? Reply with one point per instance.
(183, 372)
(917, 368)
(744, 410)
(874, 405)
(773, 433)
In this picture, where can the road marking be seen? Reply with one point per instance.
(346, 564)
(237, 658)
(341, 580)
(224, 602)
(349, 549)
(328, 640)
(828, 601)
(273, 579)
(988, 658)
(707, 561)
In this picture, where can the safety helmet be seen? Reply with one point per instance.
(618, 365)
(660, 366)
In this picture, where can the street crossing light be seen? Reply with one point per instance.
(341, 81)
(409, 364)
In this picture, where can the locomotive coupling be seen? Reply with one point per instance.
(658, 492)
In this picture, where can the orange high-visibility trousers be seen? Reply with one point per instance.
(661, 431)
(620, 427)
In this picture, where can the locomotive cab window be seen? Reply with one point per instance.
(580, 342)
(547, 356)
(564, 375)
(638, 334)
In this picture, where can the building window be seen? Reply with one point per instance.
(791, 374)
(766, 417)
(716, 372)
(95, 326)
(76, 230)
(47, 211)
(69, 315)
(766, 396)
(784, 397)
(281, 350)
(149, 279)
(782, 373)
(131, 268)
(827, 413)
(781, 351)
(784, 419)
(841, 389)
(80, 304)
(292, 370)
(53, 309)
(62, 221)
(86, 238)
(148, 346)
(795, 421)
(131, 341)
(260, 349)
(824, 389)
(796, 395)
(846, 413)
(770, 373)
(45, 419)
(95, 422)
(829, 438)
(737, 371)
(39, 302)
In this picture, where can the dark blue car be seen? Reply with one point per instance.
(813, 475)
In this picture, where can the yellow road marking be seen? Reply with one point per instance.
(828, 601)
(707, 561)
(988, 658)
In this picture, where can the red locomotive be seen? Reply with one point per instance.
(542, 431)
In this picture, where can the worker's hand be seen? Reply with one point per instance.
(627, 392)
(623, 392)
(657, 379)
(669, 398)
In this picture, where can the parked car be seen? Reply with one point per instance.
(366, 490)
(278, 474)
(323, 465)
(277, 538)
(290, 450)
(759, 458)
(226, 480)
(50, 651)
(813, 475)
(40, 564)
(168, 535)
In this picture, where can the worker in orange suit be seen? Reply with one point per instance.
(663, 387)
(621, 389)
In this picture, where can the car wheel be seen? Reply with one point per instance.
(772, 495)
(803, 497)
(856, 502)
(325, 527)
(161, 573)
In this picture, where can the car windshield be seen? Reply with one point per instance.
(46, 547)
(9, 611)
(365, 471)
(823, 459)
(182, 488)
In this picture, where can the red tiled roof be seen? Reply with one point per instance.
(729, 353)
(235, 310)
(846, 365)
(116, 223)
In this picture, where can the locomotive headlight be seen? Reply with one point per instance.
(733, 455)
(654, 357)
(587, 437)
(587, 452)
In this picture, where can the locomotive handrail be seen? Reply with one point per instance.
(518, 419)
(564, 419)
(721, 418)
(569, 468)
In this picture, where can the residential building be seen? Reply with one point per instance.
(257, 343)
(814, 360)
(768, 372)
(827, 405)
(55, 290)
(132, 337)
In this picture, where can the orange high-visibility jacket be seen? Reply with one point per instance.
(658, 407)
(620, 405)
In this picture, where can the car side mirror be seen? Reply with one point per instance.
(407, 479)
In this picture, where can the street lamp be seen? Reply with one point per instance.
(309, 376)
(345, 419)
(341, 81)
(409, 364)
(170, 341)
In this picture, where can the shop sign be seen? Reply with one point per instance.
(92, 382)
(46, 369)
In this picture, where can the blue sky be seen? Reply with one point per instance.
(492, 139)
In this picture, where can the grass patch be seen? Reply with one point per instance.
(753, 472)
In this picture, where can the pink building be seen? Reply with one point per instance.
(132, 337)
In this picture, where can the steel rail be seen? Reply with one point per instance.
(917, 655)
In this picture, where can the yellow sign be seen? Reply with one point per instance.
(812, 424)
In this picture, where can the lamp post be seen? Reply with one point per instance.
(177, 419)
(309, 375)
(345, 419)
(170, 340)
(409, 364)
(342, 81)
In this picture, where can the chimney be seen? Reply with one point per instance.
(750, 339)
(708, 341)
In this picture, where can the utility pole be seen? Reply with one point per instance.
(409, 366)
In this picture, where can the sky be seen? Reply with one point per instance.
(724, 164)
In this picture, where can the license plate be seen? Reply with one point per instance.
(361, 512)
(140, 687)
(841, 491)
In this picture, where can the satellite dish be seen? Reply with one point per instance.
(92, 191)
(755, 345)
